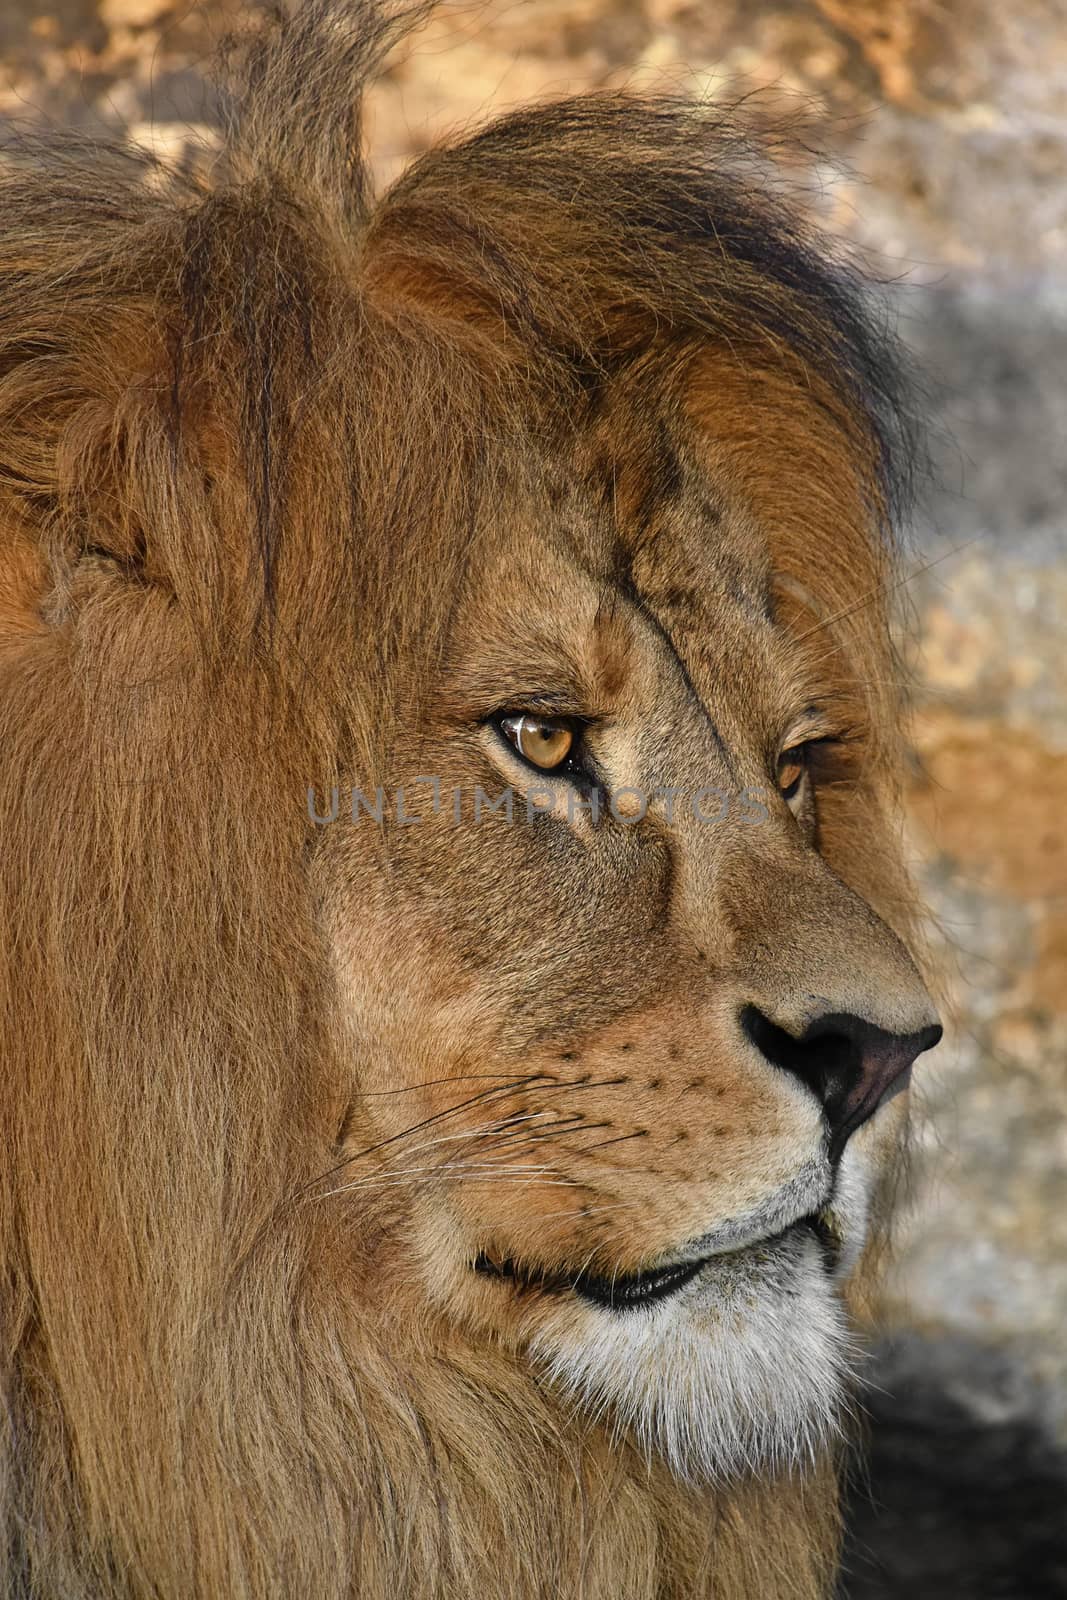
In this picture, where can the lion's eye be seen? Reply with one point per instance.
(792, 765)
(544, 742)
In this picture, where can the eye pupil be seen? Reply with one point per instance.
(543, 741)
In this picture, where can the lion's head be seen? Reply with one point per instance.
(456, 943)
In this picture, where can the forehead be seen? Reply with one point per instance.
(635, 575)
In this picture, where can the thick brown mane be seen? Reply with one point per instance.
(246, 429)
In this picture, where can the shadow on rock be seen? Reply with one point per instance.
(963, 1495)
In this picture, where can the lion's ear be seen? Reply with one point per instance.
(137, 344)
(82, 368)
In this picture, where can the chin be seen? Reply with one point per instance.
(747, 1369)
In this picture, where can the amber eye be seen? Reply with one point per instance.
(545, 742)
(792, 764)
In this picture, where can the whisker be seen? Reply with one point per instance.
(486, 1173)
(642, 1133)
(566, 1125)
(592, 1211)
(296, 1195)
(459, 1077)
(873, 594)
(427, 1122)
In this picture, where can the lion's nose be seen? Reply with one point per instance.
(850, 1064)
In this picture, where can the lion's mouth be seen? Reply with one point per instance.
(618, 1291)
(624, 1292)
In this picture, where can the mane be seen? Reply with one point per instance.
(246, 427)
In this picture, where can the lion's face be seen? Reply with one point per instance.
(623, 1035)
(389, 1168)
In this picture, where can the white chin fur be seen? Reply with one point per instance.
(743, 1370)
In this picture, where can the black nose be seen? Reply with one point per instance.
(850, 1065)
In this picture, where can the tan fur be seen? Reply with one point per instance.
(297, 490)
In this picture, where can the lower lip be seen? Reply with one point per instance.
(616, 1293)
(643, 1289)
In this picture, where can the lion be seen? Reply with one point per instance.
(459, 971)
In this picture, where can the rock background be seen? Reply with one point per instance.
(952, 115)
